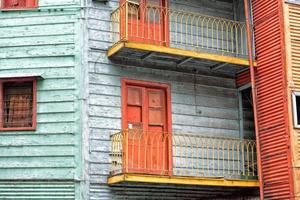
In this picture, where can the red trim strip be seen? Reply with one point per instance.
(30, 4)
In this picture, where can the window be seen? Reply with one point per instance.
(296, 109)
(19, 4)
(18, 104)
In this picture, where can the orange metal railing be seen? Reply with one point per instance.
(186, 30)
(148, 152)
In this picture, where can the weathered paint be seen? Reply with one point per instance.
(178, 52)
(272, 107)
(182, 180)
(44, 41)
(201, 104)
(79, 102)
(292, 27)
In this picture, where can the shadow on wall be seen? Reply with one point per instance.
(166, 191)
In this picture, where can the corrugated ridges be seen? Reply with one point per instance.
(272, 107)
(243, 78)
(37, 190)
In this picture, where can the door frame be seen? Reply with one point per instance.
(155, 85)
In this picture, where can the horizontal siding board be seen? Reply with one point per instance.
(43, 43)
(39, 173)
(36, 151)
(201, 104)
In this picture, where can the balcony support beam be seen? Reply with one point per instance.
(184, 61)
(175, 51)
(219, 66)
(147, 55)
(204, 181)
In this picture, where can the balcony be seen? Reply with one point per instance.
(163, 36)
(186, 159)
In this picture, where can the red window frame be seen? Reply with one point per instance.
(34, 103)
(30, 4)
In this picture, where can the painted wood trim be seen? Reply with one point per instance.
(176, 51)
(181, 180)
(34, 104)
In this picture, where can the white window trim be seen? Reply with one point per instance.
(295, 116)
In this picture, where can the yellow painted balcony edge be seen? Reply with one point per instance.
(175, 51)
(204, 181)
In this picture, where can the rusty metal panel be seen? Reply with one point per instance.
(271, 100)
(242, 78)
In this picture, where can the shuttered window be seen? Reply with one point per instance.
(18, 104)
(19, 4)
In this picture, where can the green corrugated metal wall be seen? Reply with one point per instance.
(37, 190)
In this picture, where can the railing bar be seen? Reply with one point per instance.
(197, 155)
(190, 33)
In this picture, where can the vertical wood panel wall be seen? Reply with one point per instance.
(293, 65)
(43, 41)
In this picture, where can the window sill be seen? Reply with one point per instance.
(18, 9)
(18, 129)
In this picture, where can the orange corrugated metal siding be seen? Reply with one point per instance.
(271, 100)
(243, 78)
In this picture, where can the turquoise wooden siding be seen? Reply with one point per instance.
(44, 41)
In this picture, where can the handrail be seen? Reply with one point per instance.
(148, 152)
(179, 29)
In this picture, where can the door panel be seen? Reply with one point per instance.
(147, 22)
(157, 144)
(136, 138)
(146, 118)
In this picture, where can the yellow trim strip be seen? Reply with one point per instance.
(115, 48)
(175, 51)
(205, 181)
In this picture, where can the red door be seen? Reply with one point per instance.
(145, 115)
(147, 21)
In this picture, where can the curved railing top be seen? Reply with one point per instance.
(187, 30)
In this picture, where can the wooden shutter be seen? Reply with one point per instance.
(18, 104)
(272, 107)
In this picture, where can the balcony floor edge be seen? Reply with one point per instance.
(175, 51)
(203, 181)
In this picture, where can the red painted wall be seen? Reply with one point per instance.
(272, 106)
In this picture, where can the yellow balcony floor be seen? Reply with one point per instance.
(134, 50)
(182, 180)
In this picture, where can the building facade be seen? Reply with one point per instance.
(41, 61)
(148, 99)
